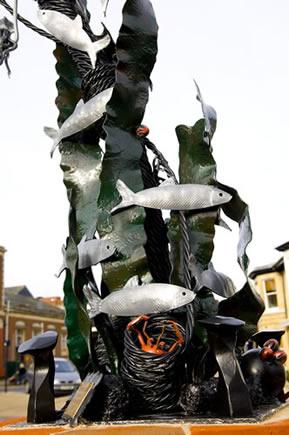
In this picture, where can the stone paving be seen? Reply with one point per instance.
(14, 404)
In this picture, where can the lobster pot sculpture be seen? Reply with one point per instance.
(151, 339)
(153, 367)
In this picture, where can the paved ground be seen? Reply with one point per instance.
(12, 388)
(14, 403)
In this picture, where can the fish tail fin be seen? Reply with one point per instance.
(96, 47)
(126, 194)
(53, 134)
(93, 300)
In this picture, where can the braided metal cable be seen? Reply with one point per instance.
(185, 239)
(97, 80)
(28, 23)
(156, 247)
(183, 223)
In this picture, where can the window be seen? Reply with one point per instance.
(36, 329)
(19, 336)
(63, 342)
(271, 299)
(64, 366)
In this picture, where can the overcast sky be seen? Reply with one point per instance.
(236, 50)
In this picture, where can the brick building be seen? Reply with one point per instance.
(22, 316)
(272, 282)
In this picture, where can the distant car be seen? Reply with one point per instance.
(66, 377)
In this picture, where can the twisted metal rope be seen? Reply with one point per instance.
(163, 164)
(183, 223)
(156, 247)
(28, 23)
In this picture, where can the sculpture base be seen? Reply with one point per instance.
(273, 422)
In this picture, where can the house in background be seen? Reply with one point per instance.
(22, 317)
(272, 283)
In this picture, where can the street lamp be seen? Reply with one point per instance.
(6, 344)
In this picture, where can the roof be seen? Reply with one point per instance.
(278, 266)
(22, 301)
(283, 247)
(18, 290)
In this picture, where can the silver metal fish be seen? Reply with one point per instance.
(70, 32)
(92, 252)
(172, 197)
(134, 301)
(83, 116)
(210, 116)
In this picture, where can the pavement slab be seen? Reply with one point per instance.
(14, 404)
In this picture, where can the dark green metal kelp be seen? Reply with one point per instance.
(136, 51)
(81, 164)
(197, 165)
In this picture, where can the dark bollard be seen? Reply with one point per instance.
(41, 405)
(233, 395)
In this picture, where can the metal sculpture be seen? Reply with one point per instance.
(41, 405)
(232, 393)
(163, 271)
(8, 42)
(263, 367)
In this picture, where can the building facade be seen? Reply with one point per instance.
(22, 317)
(272, 283)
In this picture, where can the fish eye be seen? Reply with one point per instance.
(220, 194)
(184, 293)
(43, 13)
(107, 247)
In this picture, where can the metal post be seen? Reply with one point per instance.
(6, 345)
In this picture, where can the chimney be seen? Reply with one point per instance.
(2, 253)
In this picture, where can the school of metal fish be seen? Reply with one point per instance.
(132, 299)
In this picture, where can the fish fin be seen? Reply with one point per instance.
(223, 224)
(53, 134)
(78, 21)
(93, 300)
(97, 46)
(132, 282)
(62, 269)
(83, 240)
(64, 265)
(168, 182)
(79, 104)
(126, 194)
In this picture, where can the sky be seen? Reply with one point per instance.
(238, 53)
